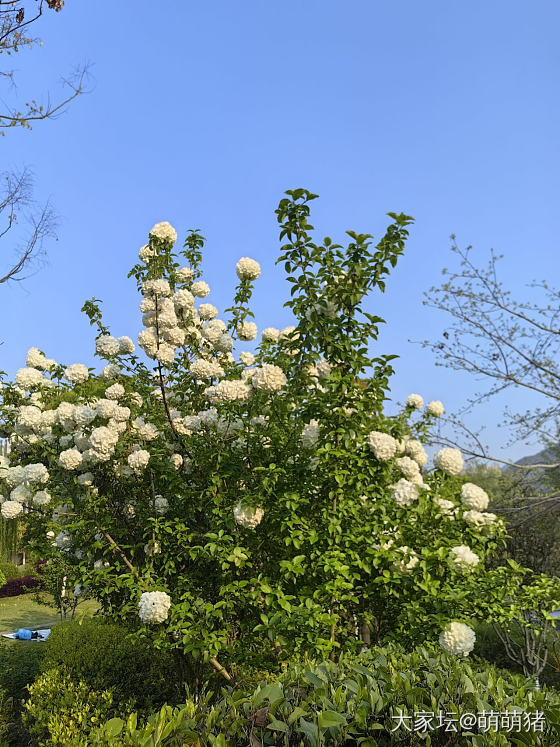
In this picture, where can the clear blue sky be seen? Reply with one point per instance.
(202, 114)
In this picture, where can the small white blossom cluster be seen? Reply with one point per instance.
(463, 556)
(435, 408)
(164, 232)
(449, 461)
(154, 607)
(268, 378)
(408, 561)
(10, 509)
(247, 269)
(310, 434)
(479, 519)
(405, 493)
(415, 401)
(107, 346)
(138, 460)
(383, 445)
(247, 517)
(457, 639)
(474, 497)
(76, 373)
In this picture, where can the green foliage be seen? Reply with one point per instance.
(19, 667)
(102, 655)
(56, 580)
(9, 571)
(9, 538)
(63, 711)
(355, 701)
(2, 579)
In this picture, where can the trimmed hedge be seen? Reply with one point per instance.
(19, 666)
(9, 570)
(16, 586)
(354, 702)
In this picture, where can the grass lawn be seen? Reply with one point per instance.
(24, 612)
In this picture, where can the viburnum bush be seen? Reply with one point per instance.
(235, 503)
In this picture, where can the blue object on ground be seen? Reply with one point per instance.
(23, 634)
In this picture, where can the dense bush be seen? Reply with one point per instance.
(62, 711)
(19, 666)
(16, 586)
(100, 654)
(9, 570)
(353, 702)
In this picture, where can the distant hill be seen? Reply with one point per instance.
(549, 455)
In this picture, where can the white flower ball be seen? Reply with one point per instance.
(111, 371)
(229, 391)
(184, 274)
(176, 461)
(224, 343)
(204, 369)
(29, 377)
(268, 378)
(383, 445)
(70, 459)
(165, 354)
(479, 519)
(248, 359)
(207, 311)
(138, 460)
(417, 452)
(106, 346)
(247, 517)
(409, 468)
(270, 334)
(247, 269)
(146, 253)
(409, 560)
(157, 288)
(10, 509)
(446, 507)
(161, 504)
(35, 359)
(462, 555)
(474, 497)
(449, 461)
(154, 606)
(20, 494)
(415, 401)
(247, 331)
(126, 346)
(77, 373)
(164, 232)
(115, 391)
(405, 493)
(63, 540)
(41, 498)
(458, 639)
(200, 289)
(435, 408)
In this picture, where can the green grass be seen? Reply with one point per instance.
(24, 612)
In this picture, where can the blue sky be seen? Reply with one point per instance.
(202, 114)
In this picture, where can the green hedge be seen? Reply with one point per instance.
(19, 666)
(354, 702)
(100, 654)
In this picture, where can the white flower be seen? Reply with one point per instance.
(138, 460)
(100, 564)
(446, 507)
(184, 274)
(323, 368)
(449, 461)
(474, 497)
(10, 509)
(115, 391)
(247, 269)
(247, 517)
(29, 377)
(479, 519)
(148, 341)
(247, 331)
(77, 373)
(288, 333)
(14, 475)
(145, 431)
(409, 468)
(457, 638)
(70, 459)
(86, 478)
(156, 288)
(35, 359)
(200, 289)
(204, 369)
(165, 354)
(228, 391)
(152, 548)
(30, 416)
(103, 439)
(435, 408)
(462, 555)
(183, 299)
(41, 498)
(146, 252)
(126, 345)
(176, 460)
(224, 343)
(310, 434)
(383, 445)
(409, 560)
(207, 311)
(154, 606)
(63, 540)
(268, 378)
(405, 493)
(164, 232)
(270, 334)
(248, 359)
(161, 504)
(106, 346)
(416, 451)
(111, 371)
(415, 401)
(20, 494)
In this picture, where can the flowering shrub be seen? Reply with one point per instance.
(228, 501)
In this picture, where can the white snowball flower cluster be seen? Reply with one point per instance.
(27, 378)
(268, 378)
(207, 311)
(30, 416)
(70, 459)
(446, 507)
(247, 517)
(107, 346)
(228, 391)
(111, 371)
(115, 391)
(458, 639)
(247, 269)
(405, 492)
(479, 519)
(449, 461)
(161, 504)
(20, 494)
(138, 460)
(35, 474)
(184, 274)
(164, 232)
(435, 408)
(247, 331)
(408, 561)
(248, 359)
(146, 253)
(270, 334)
(474, 497)
(63, 540)
(200, 289)
(126, 346)
(77, 373)
(310, 434)
(35, 358)
(409, 468)
(10, 509)
(416, 451)
(41, 498)
(383, 445)
(154, 606)
(176, 461)
(462, 555)
(145, 431)
(415, 400)
(156, 288)
(206, 369)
